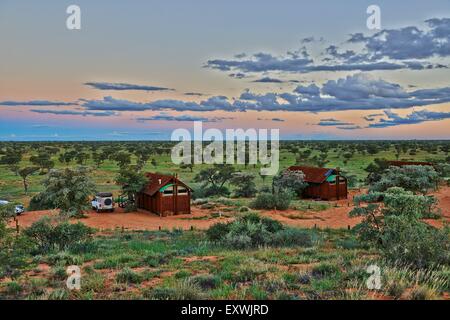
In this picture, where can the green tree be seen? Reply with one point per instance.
(392, 222)
(293, 181)
(132, 181)
(12, 159)
(43, 161)
(413, 178)
(68, 190)
(244, 184)
(214, 178)
(24, 173)
(13, 249)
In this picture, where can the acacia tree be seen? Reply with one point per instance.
(11, 159)
(244, 183)
(68, 190)
(132, 181)
(24, 173)
(214, 178)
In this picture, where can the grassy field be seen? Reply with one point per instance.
(183, 265)
(11, 187)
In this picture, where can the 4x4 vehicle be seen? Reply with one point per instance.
(103, 201)
(19, 209)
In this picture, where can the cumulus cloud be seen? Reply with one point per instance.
(389, 49)
(37, 103)
(357, 92)
(413, 118)
(124, 86)
(409, 42)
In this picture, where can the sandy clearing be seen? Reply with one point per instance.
(335, 217)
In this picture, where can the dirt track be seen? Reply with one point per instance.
(336, 217)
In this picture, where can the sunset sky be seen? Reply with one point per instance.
(137, 70)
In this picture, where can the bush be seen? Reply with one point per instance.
(206, 281)
(218, 231)
(47, 237)
(410, 241)
(411, 178)
(251, 231)
(292, 237)
(128, 276)
(269, 201)
(422, 293)
(183, 290)
(325, 269)
(13, 288)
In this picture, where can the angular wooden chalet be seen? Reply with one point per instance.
(165, 195)
(409, 163)
(323, 183)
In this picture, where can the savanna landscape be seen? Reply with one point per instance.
(248, 236)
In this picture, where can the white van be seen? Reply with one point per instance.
(103, 201)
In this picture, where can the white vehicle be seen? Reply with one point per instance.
(19, 209)
(103, 201)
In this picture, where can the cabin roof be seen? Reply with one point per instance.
(409, 163)
(154, 185)
(314, 174)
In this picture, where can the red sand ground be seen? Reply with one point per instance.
(336, 217)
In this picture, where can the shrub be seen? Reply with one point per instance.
(412, 178)
(59, 273)
(410, 241)
(13, 288)
(183, 290)
(293, 237)
(218, 231)
(128, 276)
(279, 201)
(325, 269)
(422, 293)
(251, 230)
(59, 294)
(47, 237)
(206, 281)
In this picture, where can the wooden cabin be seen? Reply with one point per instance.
(409, 163)
(165, 195)
(323, 183)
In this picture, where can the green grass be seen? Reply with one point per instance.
(127, 261)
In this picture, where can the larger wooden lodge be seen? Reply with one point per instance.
(323, 183)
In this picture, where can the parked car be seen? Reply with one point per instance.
(103, 201)
(19, 209)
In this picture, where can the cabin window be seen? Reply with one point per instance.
(168, 191)
(182, 191)
(341, 181)
(333, 182)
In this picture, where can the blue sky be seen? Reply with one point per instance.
(140, 69)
